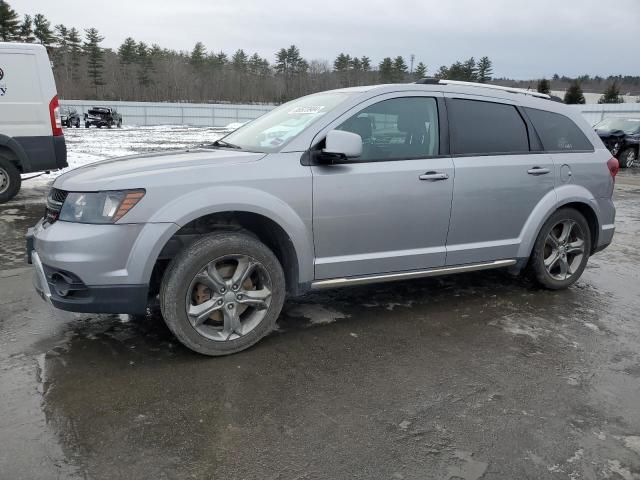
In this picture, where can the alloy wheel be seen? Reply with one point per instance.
(564, 249)
(229, 297)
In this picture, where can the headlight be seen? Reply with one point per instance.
(99, 207)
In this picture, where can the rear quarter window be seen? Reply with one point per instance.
(557, 132)
(486, 128)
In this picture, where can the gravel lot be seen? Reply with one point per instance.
(464, 377)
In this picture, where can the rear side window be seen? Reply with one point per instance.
(485, 128)
(557, 132)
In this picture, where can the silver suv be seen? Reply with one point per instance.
(339, 188)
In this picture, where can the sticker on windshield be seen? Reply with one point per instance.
(311, 109)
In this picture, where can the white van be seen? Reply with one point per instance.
(31, 138)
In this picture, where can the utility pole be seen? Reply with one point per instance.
(412, 57)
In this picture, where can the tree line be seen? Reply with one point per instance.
(136, 71)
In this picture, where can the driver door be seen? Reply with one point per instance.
(387, 210)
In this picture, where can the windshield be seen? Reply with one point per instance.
(627, 125)
(275, 129)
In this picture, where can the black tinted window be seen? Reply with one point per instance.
(399, 128)
(557, 132)
(484, 128)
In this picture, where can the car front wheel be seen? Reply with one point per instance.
(561, 250)
(223, 293)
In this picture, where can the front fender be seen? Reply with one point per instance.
(552, 201)
(219, 199)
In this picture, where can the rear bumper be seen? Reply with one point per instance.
(38, 154)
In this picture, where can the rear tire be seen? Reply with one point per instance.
(202, 275)
(86, 124)
(10, 180)
(561, 251)
(78, 123)
(628, 158)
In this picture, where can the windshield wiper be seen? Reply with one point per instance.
(222, 143)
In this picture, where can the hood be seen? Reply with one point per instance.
(136, 171)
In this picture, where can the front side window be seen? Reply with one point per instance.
(396, 129)
(272, 131)
(486, 128)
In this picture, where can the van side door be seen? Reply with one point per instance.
(501, 175)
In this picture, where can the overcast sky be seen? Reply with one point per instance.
(524, 38)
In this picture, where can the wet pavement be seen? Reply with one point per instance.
(463, 377)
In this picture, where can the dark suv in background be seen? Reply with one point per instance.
(69, 117)
(621, 135)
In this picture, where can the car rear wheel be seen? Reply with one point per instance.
(628, 158)
(223, 293)
(561, 250)
(10, 180)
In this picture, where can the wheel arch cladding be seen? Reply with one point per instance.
(263, 228)
(567, 196)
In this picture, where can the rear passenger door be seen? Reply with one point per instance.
(501, 175)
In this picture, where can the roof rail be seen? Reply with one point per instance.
(521, 91)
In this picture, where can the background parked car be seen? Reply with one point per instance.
(69, 117)
(621, 135)
(102, 117)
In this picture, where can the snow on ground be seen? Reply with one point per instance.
(90, 145)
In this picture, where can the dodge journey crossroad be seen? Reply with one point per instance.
(339, 188)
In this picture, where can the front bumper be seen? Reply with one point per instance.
(95, 268)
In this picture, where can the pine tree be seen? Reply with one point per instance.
(574, 94)
(95, 57)
(8, 22)
(385, 70)
(25, 31)
(366, 64)
(145, 64)
(239, 62)
(127, 52)
(469, 70)
(611, 94)
(75, 52)
(485, 70)
(443, 72)
(198, 55)
(420, 71)
(544, 86)
(341, 66)
(400, 69)
(42, 30)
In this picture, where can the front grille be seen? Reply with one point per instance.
(55, 200)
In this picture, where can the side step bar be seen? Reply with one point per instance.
(390, 277)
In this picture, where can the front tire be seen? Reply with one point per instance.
(223, 293)
(86, 124)
(628, 158)
(10, 180)
(561, 250)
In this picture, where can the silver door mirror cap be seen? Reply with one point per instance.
(339, 142)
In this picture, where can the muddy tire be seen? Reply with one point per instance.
(10, 180)
(561, 251)
(223, 293)
(628, 158)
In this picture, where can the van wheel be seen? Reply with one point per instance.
(628, 158)
(10, 180)
(223, 293)
(561, 250)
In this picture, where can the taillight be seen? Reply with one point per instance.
(54, 113)
(613, 165)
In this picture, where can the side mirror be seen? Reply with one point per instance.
(343, 144)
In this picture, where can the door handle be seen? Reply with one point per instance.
(538, 171)
(433, 176)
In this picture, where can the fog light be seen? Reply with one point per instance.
(60, 284)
